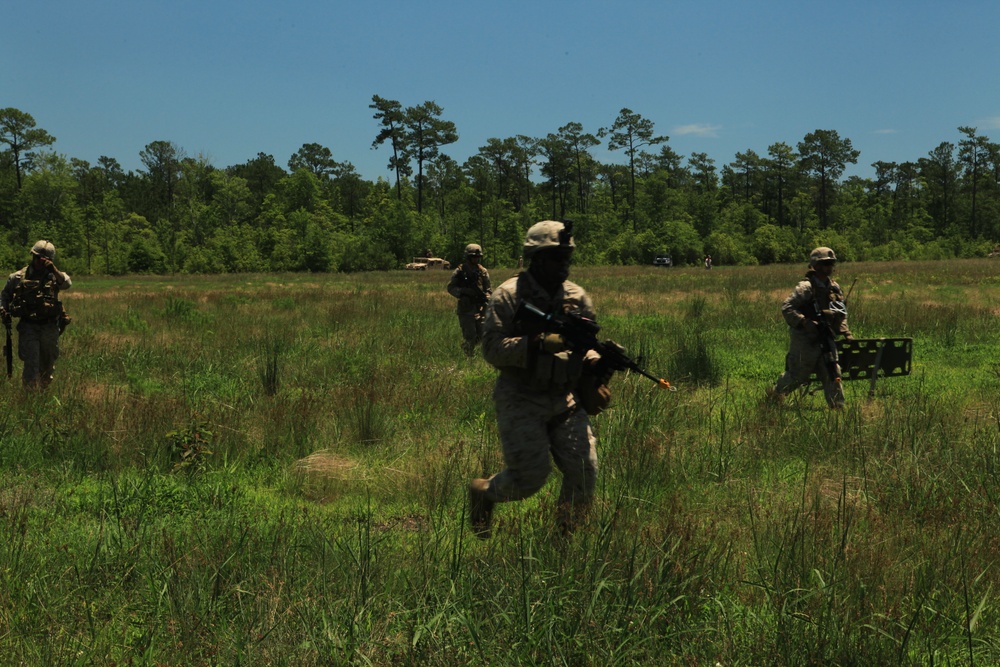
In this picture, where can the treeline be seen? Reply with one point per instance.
(180, 213)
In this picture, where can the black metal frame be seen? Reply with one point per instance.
(869, 358)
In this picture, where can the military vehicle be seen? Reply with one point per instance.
(428, 263)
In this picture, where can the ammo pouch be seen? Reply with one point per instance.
(556, 372)
(35, 300)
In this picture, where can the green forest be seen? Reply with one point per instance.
(181, 214)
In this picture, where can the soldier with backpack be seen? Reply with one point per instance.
(32, 295)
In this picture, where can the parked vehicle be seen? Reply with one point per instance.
(425, 263)
(663, 260)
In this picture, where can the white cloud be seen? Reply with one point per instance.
(992, 123)
(697, 129)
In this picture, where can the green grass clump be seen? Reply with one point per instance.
(272, 469)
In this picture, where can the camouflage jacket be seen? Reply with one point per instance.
(805, 303)
(507, 341)
(470, 284)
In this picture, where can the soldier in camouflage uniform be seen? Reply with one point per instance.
(538, 415)
(32, 294)
(470, 284)
(815, 313)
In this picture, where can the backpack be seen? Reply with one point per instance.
(36, 299)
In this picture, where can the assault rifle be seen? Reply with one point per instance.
(473, 282)
(8, 348)
(580, 334)
(827, 336)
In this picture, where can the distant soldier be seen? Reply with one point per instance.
(538, 415)
(470, 284)
(32, 294)
(708, 262)
(815, 313)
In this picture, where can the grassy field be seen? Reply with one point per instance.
(272, 469)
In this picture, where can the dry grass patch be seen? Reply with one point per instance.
(325, 464)
(101, 394)
(323, 476)
(871, 410)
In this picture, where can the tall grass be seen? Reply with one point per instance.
(272, 469)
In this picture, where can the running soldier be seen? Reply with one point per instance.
(815, 313)
(32, 294)
(539, 418)
(470, 284)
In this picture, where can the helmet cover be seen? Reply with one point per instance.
(548, 234)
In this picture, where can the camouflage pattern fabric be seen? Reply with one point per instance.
(804, 351)
(37, 341)
(537, 428)
(505, 342)
(472, 331)
(537, 415)
(38, 348)
(803, 359)
(470, 284)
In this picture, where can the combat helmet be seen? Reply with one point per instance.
(821, 254)
(548, 234)
(473, 250)
(44, 249)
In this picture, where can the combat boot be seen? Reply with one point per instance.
(570, 516)
(480, 508)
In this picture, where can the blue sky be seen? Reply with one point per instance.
(227, 80)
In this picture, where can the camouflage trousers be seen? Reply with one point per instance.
(472, 330)
(805, 357)
(537, 429)
(38, 348)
